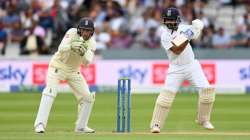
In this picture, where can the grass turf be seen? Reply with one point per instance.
(231, 118)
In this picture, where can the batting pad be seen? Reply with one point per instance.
(205, 104)
(162, 107)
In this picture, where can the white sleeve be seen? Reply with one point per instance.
(64, 45)
(88, 57)
(165, 41)
(66, 41)
(90, 53)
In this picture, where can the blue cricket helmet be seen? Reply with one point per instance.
(172, 14)
(86, 23)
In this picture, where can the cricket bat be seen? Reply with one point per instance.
(179, 40)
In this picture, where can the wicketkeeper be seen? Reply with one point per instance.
(76, 48)
(183, 65)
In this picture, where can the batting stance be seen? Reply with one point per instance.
(76, 48)
(175, 40)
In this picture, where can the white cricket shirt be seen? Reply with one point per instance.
(186, 56)
(67, 59)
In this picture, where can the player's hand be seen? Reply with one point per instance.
(189, 34)
(82, 50)
(197, 24)
(78, 47)
(75, 45)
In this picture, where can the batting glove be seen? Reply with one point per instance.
(189, 34)
(197, 24)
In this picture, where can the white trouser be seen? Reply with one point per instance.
(191, 72)
(76, 82)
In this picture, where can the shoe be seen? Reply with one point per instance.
(155, 129)
(39, 128)
(84, 130)
(208, 125)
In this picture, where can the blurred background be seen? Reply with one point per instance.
(120, 24)
(128, 37)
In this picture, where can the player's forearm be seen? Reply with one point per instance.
(178, 49)
(65, 45)
(88, 56)
(64, 48)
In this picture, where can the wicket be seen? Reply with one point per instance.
(123, 107)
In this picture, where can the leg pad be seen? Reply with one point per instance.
(205, 104)
(162, 107)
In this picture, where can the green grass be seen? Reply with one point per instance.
(231, 118)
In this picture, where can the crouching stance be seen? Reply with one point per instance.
(76, 48)
(183, 66)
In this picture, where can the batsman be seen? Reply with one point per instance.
(76, 48)
(175, 39)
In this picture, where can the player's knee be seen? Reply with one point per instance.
(166, 98)
(207, 95)
(87, 98)
(50, 91)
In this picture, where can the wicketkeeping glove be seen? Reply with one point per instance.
(78, 47)
(82, 50)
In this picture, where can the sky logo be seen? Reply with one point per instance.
(244, 73)
(10, 73)
(137, 74)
